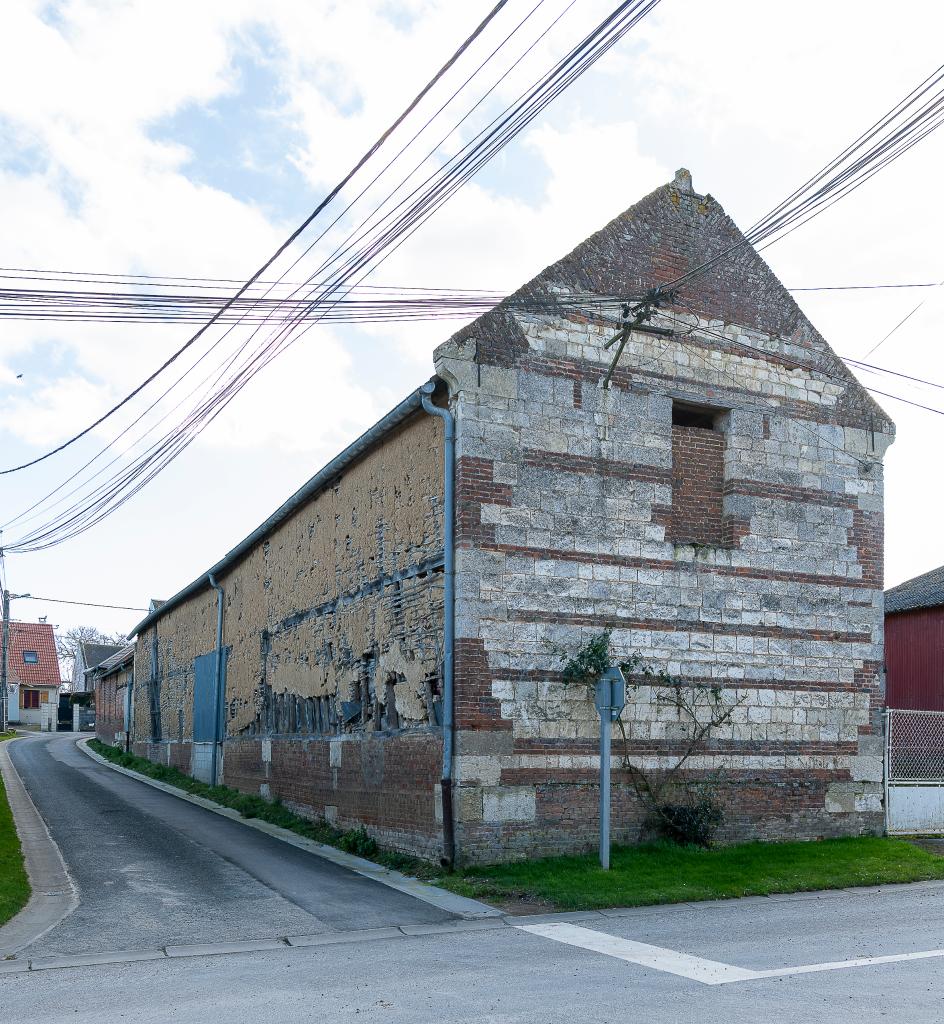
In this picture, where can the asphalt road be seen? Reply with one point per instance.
(511, 976)
(152, 869)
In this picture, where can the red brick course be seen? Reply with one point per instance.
(631, 562)
(385, 783)
(475, 486)
(867, 536)
(609, 621)
(596, 466)
(475, 707)
(760, 804)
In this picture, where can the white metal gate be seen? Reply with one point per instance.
(914, 772)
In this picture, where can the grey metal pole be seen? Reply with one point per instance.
(887, 761)
(449, 614)
(606, 728)
(4, 649)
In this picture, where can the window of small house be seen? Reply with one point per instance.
(697, 475)
(31, 657)
(31, 699)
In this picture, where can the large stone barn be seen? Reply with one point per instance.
(385, 649)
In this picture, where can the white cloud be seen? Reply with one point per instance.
(750, 104)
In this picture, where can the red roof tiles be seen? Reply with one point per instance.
(37, 637)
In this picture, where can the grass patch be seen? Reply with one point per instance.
(666, 873)
(356, 841)
(14, 885)
(639, 875)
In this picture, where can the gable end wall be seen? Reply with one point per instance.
(565, 495)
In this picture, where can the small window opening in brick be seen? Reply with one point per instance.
(697, 476)
(684, 415)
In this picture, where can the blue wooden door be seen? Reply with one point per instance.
(207, 717)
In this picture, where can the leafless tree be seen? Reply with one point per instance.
(67, 644)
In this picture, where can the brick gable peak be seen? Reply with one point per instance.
(663, 236)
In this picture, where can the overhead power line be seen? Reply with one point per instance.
(909, 122)
(360, 304)
(100, 277)
(281, 249)
(220, 372)
(381, 234)
(893, 373)
(861, 287)
(757, 351)
(900, 323)
(84, 604)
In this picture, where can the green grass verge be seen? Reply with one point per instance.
(666, 873)
(639, 875)
(14, 885)
(355, 841)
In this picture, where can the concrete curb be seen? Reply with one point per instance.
(54, 894)
(451, 903)
(297, 942)
(508, 923)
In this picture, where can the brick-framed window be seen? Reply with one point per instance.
(30, 699)
(697, 475)
(30, 658)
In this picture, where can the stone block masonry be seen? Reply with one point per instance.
(718, 507)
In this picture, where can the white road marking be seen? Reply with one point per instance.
(707, 972)
(839, 965)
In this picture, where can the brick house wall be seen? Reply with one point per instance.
(110, 692)
(333, 630)
(746, 554)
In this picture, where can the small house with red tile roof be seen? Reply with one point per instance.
(32, 670)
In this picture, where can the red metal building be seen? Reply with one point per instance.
(914, 643)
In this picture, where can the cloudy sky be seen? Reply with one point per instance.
(189, 139)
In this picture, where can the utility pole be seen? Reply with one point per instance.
(4, 652)
(5, 659)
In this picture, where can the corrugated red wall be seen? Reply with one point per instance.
(914, 659)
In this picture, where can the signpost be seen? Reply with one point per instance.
(610, 698)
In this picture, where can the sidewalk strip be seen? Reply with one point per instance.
(200, 949)
(53, 891)
(129, 956)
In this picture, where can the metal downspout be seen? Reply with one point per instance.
(218, 704)
(449, 614)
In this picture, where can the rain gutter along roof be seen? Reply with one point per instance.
(317, 483)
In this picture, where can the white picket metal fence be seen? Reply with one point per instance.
(914, 772)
